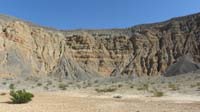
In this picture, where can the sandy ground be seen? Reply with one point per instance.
(78, 101)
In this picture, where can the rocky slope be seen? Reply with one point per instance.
(30, 50)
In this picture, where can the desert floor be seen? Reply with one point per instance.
(80, 101)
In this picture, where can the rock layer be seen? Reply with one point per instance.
(27, 49)
(183, 65)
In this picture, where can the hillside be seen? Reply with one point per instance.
(30, 50)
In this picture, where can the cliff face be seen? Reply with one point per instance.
(26, 49)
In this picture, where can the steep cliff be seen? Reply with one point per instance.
(30, 50)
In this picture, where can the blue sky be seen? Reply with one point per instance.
(76, 14)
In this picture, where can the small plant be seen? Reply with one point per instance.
(120, 85)
(198, 84)
(132, 86)
(11, 86)
(49, 83)
(103, 90)
(192, 85)
(21, 96)
(195, 85)
(39, 84)
(140, 88)
(4, 83)
(63, 86)
(157, 93)
(144, 87)
(173, 87)
(117, 96)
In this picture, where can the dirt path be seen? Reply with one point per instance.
(77, 102)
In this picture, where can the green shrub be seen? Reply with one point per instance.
(198, 89)
(11, 86)
(144, 87)
(173, 87)
(120, 85)
(100, 90)
(117, 96)
(4, 83)
(63, 86)
(157, 93)
(140, 88)
(49, 83)
(195, 85)
(132, 86)
(198, 84)
(39, 84)
(21, 96)
(192, 85)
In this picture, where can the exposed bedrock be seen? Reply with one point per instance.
(27, 49)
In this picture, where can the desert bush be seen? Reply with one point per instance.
(192, 85)
(103, 90)
(195, 85)
(117, 96)
(120, 85)
(157, 93)
(198, 89)
(173, 87)
(49, 83)
(63, 86)
(21, 96)
(132, 86)
(198, 84)
(11, 86)
(96, 81)
(144, 87)
(39, 84)
(140, 88)
(4, 83)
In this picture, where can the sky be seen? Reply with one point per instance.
(97, 14)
